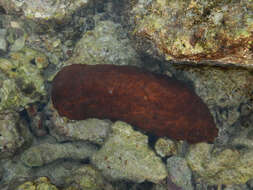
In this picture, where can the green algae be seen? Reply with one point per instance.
(23, 82)
(41, 183)
(189, 30)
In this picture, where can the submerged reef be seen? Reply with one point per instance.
(44, 10)
(198, 42)
(221, 165)
(21, 79)
(154, 103)
(107, 43)
(14, 134)
(127, 156)
(188, 30)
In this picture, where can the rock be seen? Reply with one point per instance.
(13, 134)
(45, 153)
(87, 178)
(19, 43)
(44, 10)
(161, 187)
(126, 156)
(22, 82)
(227, 92)
(3, 43)
(40, 183)
(37, 120)
(106, 44)
(243, 138)
(13, 172)
(228, 87)
(93, 130)
(250, 183)
(165, 147)
(221, 165)
(166, 185)
(199, 31)
(57, 172)
(179, 172)
(16, 171)
(16, 35)
(237, 187)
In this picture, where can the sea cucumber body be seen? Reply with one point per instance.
(151, 102)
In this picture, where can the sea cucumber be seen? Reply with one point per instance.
(154, 103)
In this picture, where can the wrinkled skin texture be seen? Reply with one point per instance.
(151, 102)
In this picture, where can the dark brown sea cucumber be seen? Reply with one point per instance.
(151, 102)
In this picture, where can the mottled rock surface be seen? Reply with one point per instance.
(42, 183)
(107, 43)
(221, 166)
(38, 120)
(44, 10)
(13, 134)
(87, 178)
(22, 81)
(179, 172)
(12, 172)
(3, 42)
(243, 138)
(93, 130)
(15, 171)
(237, 187)
(126, 155)
(226, 91)
(97, 31)
(189, 30)
(165, 147)
(13, 33)
(45, 153)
